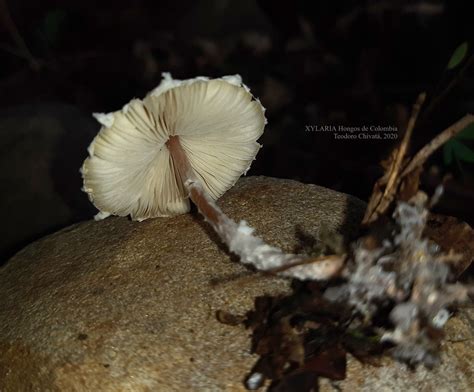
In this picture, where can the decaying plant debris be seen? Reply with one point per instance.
(393, 295)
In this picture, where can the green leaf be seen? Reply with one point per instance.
(458, 55)
(467, 133)
(463, 152)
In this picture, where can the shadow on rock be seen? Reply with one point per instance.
(42, 148)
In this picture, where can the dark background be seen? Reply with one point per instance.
(316, 63)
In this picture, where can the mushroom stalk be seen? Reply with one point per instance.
(239, 237)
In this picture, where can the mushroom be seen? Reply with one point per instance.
(187, 139)
(133, 167)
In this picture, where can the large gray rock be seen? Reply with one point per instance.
(125, 306)
(118, 305)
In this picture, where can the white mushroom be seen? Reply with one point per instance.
(130, 170)
(187, 139)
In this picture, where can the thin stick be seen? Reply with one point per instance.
(209, 211)
(337, 259)
(420, 158)
(239, 237)
(394, 175)
(385, 188)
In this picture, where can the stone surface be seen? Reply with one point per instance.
(126, 306)
(118, 305)
(41, 148)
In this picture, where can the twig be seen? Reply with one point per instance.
(337, 262)
(380, 201)
(420, 158)
(394, 175)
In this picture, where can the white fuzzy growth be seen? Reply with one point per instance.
(244, 229)
(410, 272)
(167, 83)
(106, 119)
(236, 80)
(255, 381)
(440, 318)
(101, 215)
(253, 250)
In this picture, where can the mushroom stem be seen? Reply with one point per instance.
(210, 212)
(239, 237)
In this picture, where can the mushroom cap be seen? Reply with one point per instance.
(130, 171)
